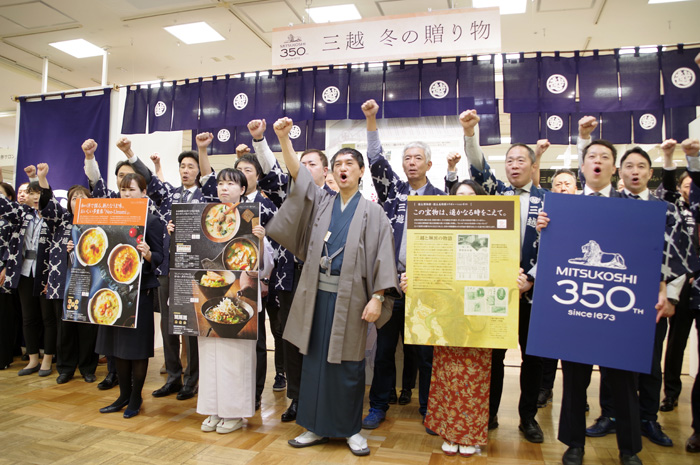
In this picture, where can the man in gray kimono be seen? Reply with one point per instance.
(351, 240)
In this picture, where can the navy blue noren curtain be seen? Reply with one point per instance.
(402, 96)
(647, 126)
(520, 85)
(212, 102)
(477, 86)
(240, 100)
(597, 84)
(186, 106)
(681, 79)
(52, 131)
(557, 85)
(439, 89)
(616, 127)
(331, 93)
(160, 108)
(269, 96)
(298, 95)
(524, 128)
(135, 111)
(640, 85)
(364, 84)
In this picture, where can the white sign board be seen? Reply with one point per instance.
(422, 35)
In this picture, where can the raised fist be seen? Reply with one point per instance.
(257, 128)
(586, 126)
(691, 147)
(42, 169)
(541, 147)
(241, 150)
(89, 147)
(469, 119)
(452, 160)
(155, 158)
(283, 126)
(204, 139)
(123, 144)
(31, 171)
(370, 108)
(668, 146)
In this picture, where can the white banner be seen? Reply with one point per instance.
(421, 35)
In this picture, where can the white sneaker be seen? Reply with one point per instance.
(209, 424)
(450, 448)
(229, 425)
(466, 451)
(358, 445)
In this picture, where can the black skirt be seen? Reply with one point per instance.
(130, 343)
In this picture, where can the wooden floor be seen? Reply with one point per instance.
(42, 422)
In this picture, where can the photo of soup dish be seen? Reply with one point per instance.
(226, 312)
(105, 307)
(213, 279)
(241, 255)
(220, 221)
(92, 246)
(124, 263)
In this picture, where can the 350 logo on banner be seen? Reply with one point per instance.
(618, 298)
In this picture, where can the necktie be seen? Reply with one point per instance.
(185, 197)
(635, 196)
(596, 194)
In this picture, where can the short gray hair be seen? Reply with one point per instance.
(418, 145)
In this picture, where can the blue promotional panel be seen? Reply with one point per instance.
(596, 290)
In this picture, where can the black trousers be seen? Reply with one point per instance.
(76, 345)
(695, 394)
(261, 353)
(678, 332)
(11, 316)
(549, 372)
(572, 419)
(649, 385)
(273, 310)
(292, 358)
(37, 315)
(530, 371)
(171, 343)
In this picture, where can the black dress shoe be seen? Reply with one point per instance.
(115, 407)
(602, 426)
(167, 389)
(545, 397)
(693, 443)
(291, 413)
(186, 392)
(668, 404)
(90, 378)
(493, 422)
(573, 456)
(109, 382)
(392, 397)
(130, 413)
(531, 430)
(630, 459)
(63, 378)
(652, 431)
(405, 397)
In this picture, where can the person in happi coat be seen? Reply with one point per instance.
(351, 240)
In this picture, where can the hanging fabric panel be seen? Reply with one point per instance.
(331, 93)
(240, 100)
(269, 96)
(402, 94)
(298, 95)
(558, 85)
(212, 102)
(647, 126)
(524, 128)
(555, 128)
(135, 110)
(681, 80)
(438, 89)
(365, 83)
(597, 84)
(160, 107)
(477, 84)
(186, 106)
(640, 86)
(616, 127)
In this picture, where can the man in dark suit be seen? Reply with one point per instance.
(597, 167)
(521, 164)
(392, 193)
(163, 194)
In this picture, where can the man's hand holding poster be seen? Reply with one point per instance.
(215, 260)
(462, 262)
(104, 279)
(598, 276)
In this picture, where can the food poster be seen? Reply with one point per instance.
(214, 260)
(105, 272)
(462, 262)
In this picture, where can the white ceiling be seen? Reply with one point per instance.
(141, 50)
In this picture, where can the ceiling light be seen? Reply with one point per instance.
(331, 14)
(79, 48)
(652, 2)
(507, 7)
(195, 33)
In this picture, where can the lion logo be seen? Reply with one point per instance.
(593, 255)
